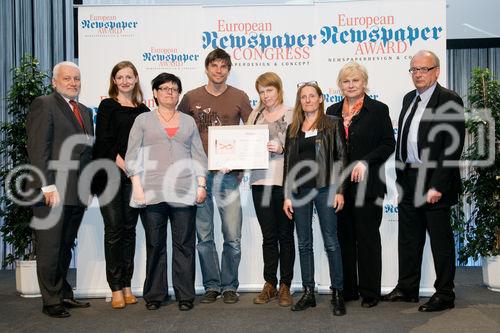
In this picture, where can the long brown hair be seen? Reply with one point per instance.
(298, 114)
(137, 94)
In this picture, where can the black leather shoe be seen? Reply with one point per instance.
(308, 300)
(73, 303)
(55, 311)
(338, 302)
(185, 305)
(369, 302)
(153, 305)
(399, 296)
(436, 304)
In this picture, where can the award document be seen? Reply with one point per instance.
(238, 147)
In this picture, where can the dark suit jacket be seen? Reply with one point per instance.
(50, 122)
(445, 107)
(371, 139)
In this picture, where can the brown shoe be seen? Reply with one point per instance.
(267, 294)
(285, 299)
(128, 296)
(130, 299)
(117, 300)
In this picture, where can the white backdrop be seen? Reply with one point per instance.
(300, 43)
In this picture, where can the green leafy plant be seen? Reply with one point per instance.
(28, 82)
(479, 233)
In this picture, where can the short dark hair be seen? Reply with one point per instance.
(163, 78)
(218, 54)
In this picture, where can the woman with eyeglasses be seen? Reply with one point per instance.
(267, 193)
(370, 142)
(167, 165)
(315, 157)
(115, 117)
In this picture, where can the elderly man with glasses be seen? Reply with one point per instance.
(429, 144)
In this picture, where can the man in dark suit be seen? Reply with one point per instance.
(430, 142)
(60, 134)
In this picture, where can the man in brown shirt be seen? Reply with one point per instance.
(218, 104)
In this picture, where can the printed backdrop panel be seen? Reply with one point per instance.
(300, 43)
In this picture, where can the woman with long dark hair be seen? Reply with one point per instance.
(315, 157)
(115, 118)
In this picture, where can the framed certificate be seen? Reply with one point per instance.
(238, 147)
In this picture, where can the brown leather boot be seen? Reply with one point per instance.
(267, 294)
(285, 299)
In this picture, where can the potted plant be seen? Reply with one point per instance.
(28, 82)
(479, 232)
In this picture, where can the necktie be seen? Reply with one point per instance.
(76, 111)
(406, 129)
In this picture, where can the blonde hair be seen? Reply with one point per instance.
(351, 68)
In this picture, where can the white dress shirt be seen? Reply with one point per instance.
(412, 140)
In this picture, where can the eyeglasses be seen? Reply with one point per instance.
(423, 70)
(168, 89)
(309, 83)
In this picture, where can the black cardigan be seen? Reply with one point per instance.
(113, 125)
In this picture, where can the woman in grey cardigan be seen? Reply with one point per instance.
(167, 165)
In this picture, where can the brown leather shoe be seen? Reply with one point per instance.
(267, 294)
(130, 299)
(285, 299)
(118, 304)
(117, 300)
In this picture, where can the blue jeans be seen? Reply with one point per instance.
(328, 223)
(225, 189)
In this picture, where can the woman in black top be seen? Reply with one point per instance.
(315, 158)
(370, 142)
(115, 118)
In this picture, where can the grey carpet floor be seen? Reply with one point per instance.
(477, 310)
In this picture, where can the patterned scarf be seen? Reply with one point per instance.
(348, 115)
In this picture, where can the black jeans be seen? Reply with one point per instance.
(120, 221)
(277, 233)
(183, 226)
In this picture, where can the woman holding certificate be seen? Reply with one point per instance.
(267, 193)
(315, 157)
(167, 165)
